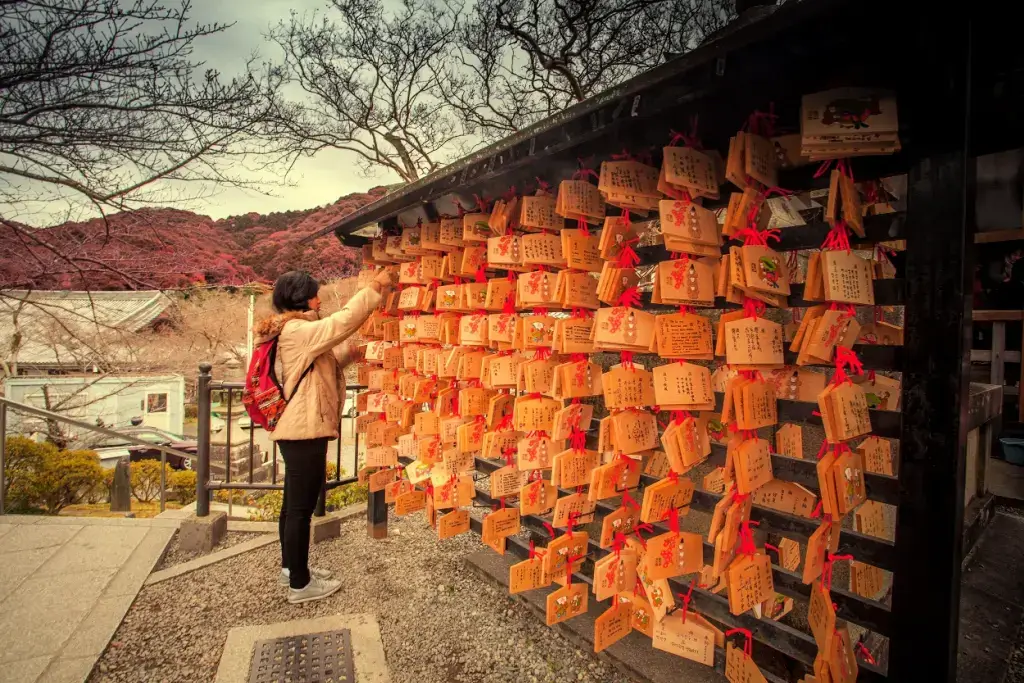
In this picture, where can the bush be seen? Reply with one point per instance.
(183, 486)
(23, 459)
(235, 496)
(346, 495)
(68, 477)
(268, 507)
(101, 490)
(39, 475)
(145, 479)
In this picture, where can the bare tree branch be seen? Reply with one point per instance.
(102, 99)
(368, 75)
(518, 61)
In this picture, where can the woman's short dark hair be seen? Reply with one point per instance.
(293, 290)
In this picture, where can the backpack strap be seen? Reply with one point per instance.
(299, 383)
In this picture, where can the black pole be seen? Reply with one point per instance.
(937, 342)
(376, 508)
(203, 439)
(377, 515)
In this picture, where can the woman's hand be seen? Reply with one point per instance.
(385, 280)
(350, 353)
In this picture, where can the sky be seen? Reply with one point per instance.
(314, 181)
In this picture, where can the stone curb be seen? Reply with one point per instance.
(207, 560)
(68, 520)
(214, 557)
(250, 527)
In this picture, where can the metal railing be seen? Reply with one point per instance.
(205, 486)
(7, 404)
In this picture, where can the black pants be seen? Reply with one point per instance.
(305, 472)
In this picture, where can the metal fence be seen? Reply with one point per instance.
(9, 405)
(251, 452)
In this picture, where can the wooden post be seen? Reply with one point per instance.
(1020, 384)
(377, 516)
(940, 229)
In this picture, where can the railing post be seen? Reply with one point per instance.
(203, 441)
(163, 480)
(376, 508)
(377, 515)
(3, 455)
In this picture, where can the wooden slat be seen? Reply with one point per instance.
(888, 292)
(880, 488)
(991, 236)
(985, 356)
(989, 316)
(883, 422)
(874, 551)
(872, 357)
(881, 228)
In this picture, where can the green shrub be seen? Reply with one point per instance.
(68, 477)
(145, 479)
(268, 507)
(23, 460)
(346, 495)
(39, 475)
(101, 490)
(183, 486)
(235, 496)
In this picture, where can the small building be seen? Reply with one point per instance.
(57, 332)
(116, 400)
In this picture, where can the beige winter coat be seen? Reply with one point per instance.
(313, 412)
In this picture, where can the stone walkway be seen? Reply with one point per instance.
(65, 585)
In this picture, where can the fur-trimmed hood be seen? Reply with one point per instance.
(268, 328)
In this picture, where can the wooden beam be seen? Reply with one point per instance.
(985, 356)
(992, 316)
(993, 236)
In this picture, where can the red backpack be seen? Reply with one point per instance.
(263, 396)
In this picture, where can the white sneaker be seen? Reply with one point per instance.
(285, 576)
(314, 590)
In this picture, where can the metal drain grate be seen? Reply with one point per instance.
(310, 658)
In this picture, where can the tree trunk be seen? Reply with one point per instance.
(410, 173)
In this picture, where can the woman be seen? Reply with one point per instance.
(311, 357)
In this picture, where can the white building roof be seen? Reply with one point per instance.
(56, 326)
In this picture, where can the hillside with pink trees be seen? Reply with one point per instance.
(155, 248)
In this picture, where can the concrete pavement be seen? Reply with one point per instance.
(65, 585)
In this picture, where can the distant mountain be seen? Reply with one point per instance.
(170, 248)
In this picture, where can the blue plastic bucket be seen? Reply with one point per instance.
(1013, 450)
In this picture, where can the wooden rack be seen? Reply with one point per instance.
(926, 58)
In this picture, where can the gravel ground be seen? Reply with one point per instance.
(175, 555)
(440, 622)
